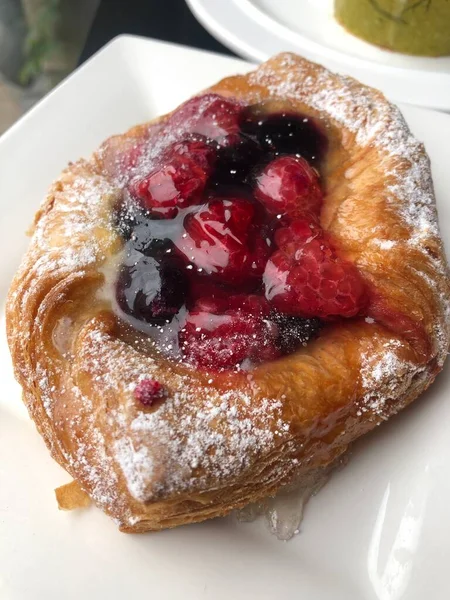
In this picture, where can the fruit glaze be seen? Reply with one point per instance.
(225, 263)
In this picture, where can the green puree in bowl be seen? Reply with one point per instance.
(410, 26)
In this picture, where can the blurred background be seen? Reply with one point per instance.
(42, 41)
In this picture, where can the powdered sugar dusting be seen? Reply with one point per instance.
(385, 244)
(384, 377)
(100, 474)
(136, 465)
(72, 221)
(222, 439)
(196, 435)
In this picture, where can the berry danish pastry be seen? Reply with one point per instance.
(220, 301)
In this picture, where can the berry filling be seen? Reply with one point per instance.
(225, 262)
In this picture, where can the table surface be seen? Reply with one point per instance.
(169, 20)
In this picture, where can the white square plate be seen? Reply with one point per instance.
(378, 530)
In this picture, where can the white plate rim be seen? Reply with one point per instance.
(271, 33)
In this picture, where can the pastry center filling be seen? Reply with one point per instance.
(225, 262)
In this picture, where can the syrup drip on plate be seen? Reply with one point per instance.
(283, 514)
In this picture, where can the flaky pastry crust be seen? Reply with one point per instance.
(219, 442)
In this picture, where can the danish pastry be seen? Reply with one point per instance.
(221, 300)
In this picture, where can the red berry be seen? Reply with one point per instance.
(289, 185)
(195, 148)
(297, 234)
(306, 278)
(222, 240)
(224, 340)
(179, 180)
(121, 156)
(129, 159)
(210, 115)
(249, 303)
(202, 287)
(214, 304)
(148, 391)
(220, 120)
(222, 303)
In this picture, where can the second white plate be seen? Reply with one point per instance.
(258, 29)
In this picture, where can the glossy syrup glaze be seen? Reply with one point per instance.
(225, 263)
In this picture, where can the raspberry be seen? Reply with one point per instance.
(121, 155)
(179, 180)
(222, 303)
(306, 278)
(219, 120)
(223, 340)
(288, 185)
(210, 115)
(300, 232)
(197, 149)
(202, 287)
(222, 240)
(148, 391)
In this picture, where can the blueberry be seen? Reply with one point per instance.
(149, 289)
(285, 133)
(294, 331)
(234, 162)
(127, 216)
(154, 237)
